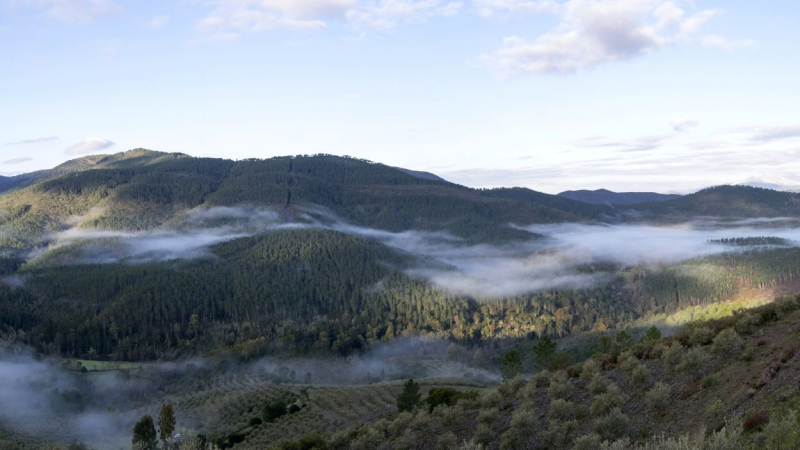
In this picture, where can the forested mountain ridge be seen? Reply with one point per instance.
(254, 288)
(604, 196)
(727, 202)
(140, 190)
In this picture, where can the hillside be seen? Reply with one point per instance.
(727, 384)
(606, 197)
(142, 190)
(728, 202)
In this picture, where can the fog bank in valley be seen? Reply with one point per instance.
(559, 260)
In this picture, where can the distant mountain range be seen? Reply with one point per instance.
(606, 197)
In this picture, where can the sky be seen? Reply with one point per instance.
(628, 95)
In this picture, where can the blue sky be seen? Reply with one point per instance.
(552, 95)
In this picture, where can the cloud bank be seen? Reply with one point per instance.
(596, 32)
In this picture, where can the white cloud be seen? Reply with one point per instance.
(158, 22)
(684, 124)
(89, 145)
(33, 141)
(237, 16)
(71, 10)
(17, 160)
(489, 8)
(595, 32)
(716, 42)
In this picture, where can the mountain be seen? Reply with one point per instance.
(606, 197)
(727, 202)
(420, 174)
(141, 190)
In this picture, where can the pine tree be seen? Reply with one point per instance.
(545, 349)
(510, 365)
(144, 434)
(410, 397)
(166, 422)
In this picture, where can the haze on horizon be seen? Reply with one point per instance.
(628, 95)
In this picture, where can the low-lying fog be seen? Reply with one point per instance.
(45, 399)
(481, 271)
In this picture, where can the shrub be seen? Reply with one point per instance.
(400, 423)
(368, 439)
(786, 305)
(447, 415)
(581, 412)
(658, 350)
(783, 434)
(491, 398)
(710, 381)
(587, 442)
(512, 386)
(561, 410)
(488, 416)
(604, 403)
(673, 355)
(484, 435)
(747, 323)
(756, 421)
(628, 364)
(692, 361)
(523, 427)
(420, 420)
(727, 342)
(598, 385)
(748, 353)
(529, 390)
(701, 336)
(447, 396)
(589, 370)
(541, 379)
(657, 398)
(614, 425)
(559, 434)
(405, 442)
(559, 376)
(640, 375)
(447, 441)
(470, 446)
(255, 421)
(559, 389)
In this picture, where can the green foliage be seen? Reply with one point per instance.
(561, 410)
(144, 434)
(409, 398)
(727, 342)
(658, 397)
(652, 334)
(607, 401)
(447, 441)
(545, 351)
(522, 428)
(166, 422)
(274, 410)
(612, 426)
(510, 365)
(640, 376)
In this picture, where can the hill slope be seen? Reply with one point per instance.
(606, 197)
(141, 190)
(728, 202)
